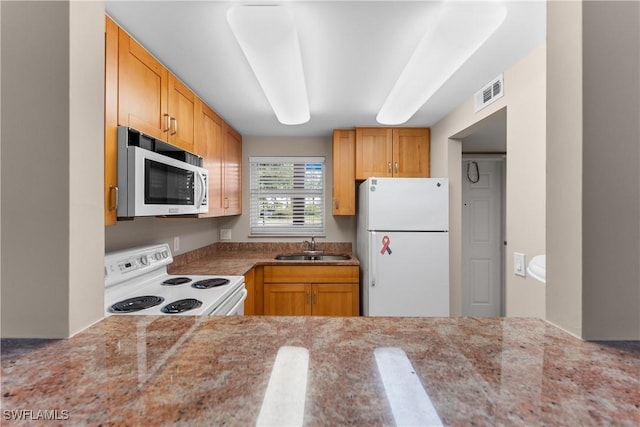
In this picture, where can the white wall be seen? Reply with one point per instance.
(338, 228)
(524, 100)
(52, 156)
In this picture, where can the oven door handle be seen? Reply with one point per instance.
(235, 308)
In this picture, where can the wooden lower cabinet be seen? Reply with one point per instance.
(335, 299)
(311, 291)
(287, 299)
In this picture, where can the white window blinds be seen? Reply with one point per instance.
(287, 195)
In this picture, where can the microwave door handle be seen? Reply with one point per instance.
(202, 190)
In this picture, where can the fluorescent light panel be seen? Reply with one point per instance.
(458, 32)
(268, 38)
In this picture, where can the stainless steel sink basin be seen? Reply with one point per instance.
(302, 257)
(292, 257)
(334, 257)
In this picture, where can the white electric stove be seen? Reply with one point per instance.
(137, 283)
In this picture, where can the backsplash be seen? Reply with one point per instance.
(266, 247)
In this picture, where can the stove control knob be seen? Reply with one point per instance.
(165, 254)
(158, 256)
(144, 260)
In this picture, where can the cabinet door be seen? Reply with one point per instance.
(232, 171)
(334, 299)
(209, 144)
(289, 299)
(182, 111)
(411, 153)
(110, 121)
(250, 284)
(374, 152)
(142, 89)
(344, 175)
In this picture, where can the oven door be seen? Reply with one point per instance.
(164, 186)
(233, 306)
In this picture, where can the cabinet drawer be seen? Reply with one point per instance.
(311, 274)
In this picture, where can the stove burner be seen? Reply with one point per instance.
(136, 304)
(176, 281)
(210, 283)
(181, 306)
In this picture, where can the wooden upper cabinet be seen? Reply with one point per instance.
(411, 152)
(142, 89)
(374, 152)
(392, 152)
(344, 174)
(181, 112)
(110, 121)
(151, 99)
(209, 142)
(232, 172)
(142, 94)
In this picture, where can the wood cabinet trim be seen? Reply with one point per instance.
(311, 274)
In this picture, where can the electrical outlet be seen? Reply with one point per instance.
(225, 234)
(519, 264)
(176, 244)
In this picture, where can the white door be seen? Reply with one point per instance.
(482, 237)
(408, 274)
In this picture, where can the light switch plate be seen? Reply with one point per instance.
(225, 234)
(519, 264)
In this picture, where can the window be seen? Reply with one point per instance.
(287, 195)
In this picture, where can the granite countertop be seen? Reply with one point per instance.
(147, 370)
(236, 259)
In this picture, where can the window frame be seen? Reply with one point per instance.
(258, 226)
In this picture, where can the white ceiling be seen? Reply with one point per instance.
(352, 51)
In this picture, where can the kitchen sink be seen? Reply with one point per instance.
(334, 257)
(303, 257)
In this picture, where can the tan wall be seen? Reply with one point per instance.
(524, 100)
(338, 229)
(593, 163)
(192, 233)
(564, 165)
(52, 132)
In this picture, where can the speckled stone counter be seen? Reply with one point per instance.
(237, 258)
(151, 371)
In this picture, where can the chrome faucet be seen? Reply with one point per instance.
(311, 245)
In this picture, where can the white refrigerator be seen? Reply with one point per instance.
(403, 246)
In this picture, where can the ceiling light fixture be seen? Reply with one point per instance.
(267, 36)
(456, 34)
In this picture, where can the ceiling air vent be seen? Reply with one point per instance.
(489, 93)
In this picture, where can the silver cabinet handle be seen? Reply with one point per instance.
(175, 125)
(168, 118)
(389, 167)
(315, 297)
(396, 167)
(307, 294)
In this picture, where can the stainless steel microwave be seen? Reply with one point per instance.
(157, 179)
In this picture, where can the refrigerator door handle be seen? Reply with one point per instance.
(372, 259)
